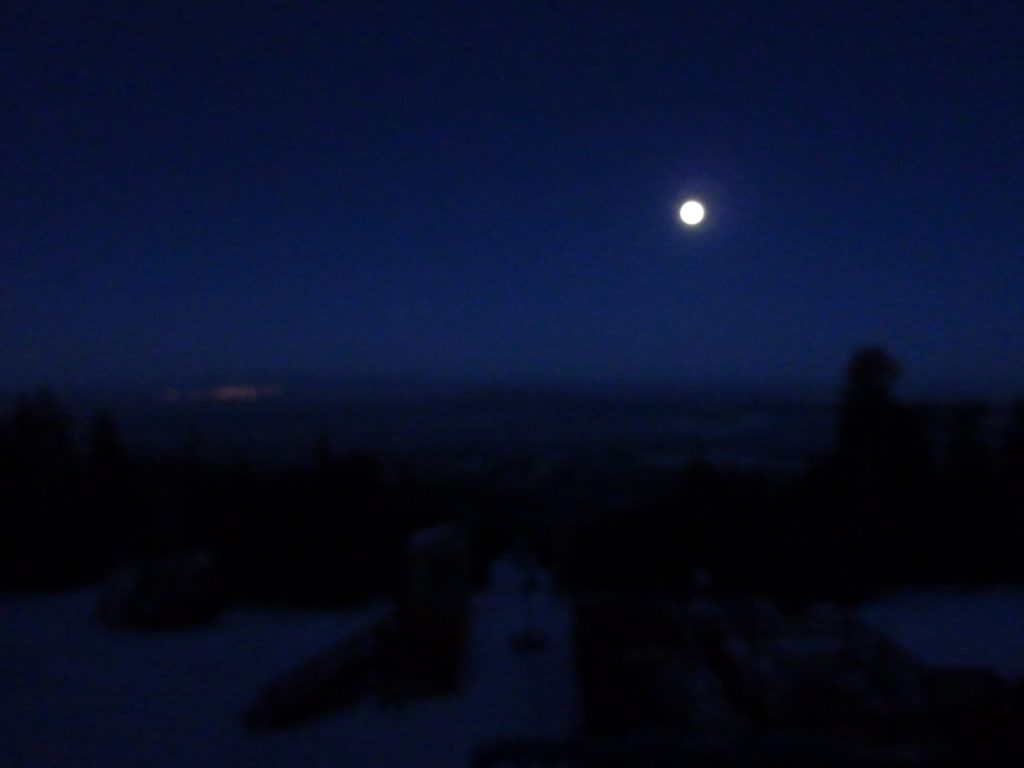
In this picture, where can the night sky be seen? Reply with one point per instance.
(489, 191)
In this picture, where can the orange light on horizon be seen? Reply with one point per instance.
(234, 393)
(223, 393)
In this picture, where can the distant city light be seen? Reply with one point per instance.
(223, 393)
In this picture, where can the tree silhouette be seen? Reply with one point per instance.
(110, 490)
(885, 485)
(867, 412)
(105, 452)
(967, 455)
(41, 438)
(323, 455)
(41, 527)
(1011, 449)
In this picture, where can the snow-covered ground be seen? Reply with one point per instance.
(73, 693)
(946, 628)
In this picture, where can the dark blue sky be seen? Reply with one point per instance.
(489, 191)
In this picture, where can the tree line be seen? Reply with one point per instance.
(909, 493)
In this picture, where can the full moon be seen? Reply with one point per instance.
(692, 213)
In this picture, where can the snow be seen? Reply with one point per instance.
(75, 693)
(956, 628)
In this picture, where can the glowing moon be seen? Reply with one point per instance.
(692, 213)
